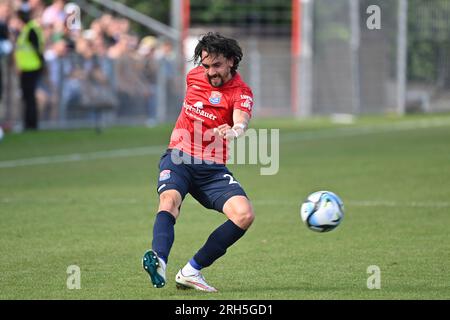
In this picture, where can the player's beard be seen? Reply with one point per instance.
(217, 80)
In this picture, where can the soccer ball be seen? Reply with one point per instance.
(322, 211)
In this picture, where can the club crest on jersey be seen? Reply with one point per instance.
(164, 175)
(215, 97)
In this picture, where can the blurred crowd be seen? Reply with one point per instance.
(102, 63)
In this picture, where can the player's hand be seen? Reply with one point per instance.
(224, 131)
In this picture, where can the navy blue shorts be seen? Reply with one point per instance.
(211, 184)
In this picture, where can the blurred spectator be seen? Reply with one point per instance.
(130, 85)
(119, 48)
(147, 46)
(108, 26)
(5, 44)
(48, 90)
(30, 63)
(123, 26)
(146, 52)
(37, 9)
(106, 56)
(54, 13)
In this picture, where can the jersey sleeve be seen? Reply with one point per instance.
(244, 100)
(188, 79)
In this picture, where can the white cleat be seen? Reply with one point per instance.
(196, 281)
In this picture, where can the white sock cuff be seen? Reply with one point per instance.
(189, 270)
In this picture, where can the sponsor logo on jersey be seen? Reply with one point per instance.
(247, 103)
(164, 175)
(215, 97)
(195, 109)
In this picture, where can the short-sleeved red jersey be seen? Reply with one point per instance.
(204, 108)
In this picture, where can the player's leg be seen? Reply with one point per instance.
(229, 198)
(163, 228)
(239, 212)
(155, 260)
(172, 187)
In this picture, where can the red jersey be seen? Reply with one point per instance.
(204, 108)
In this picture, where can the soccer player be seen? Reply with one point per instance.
(217, 108)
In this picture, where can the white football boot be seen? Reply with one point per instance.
(155, 267)
(195, 281)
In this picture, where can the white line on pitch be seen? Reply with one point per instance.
(372, 203)
(191, 201)
(370, 129)
(412, 204)
(76, 157)
(288, 137)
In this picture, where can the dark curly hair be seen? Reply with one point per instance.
(216, 44)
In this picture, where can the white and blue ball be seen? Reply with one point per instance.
(322, 211)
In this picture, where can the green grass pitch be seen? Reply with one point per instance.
(95, 209)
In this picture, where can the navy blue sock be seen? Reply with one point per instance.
(163, 234)
(217, 244)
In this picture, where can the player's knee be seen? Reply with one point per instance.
(244, 218)
(240, 211)
(249, 218)
(169, 202)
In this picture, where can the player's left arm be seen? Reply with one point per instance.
(241, 120)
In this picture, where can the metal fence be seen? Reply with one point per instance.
(345, 65)
(429, 36)
(354, 67)
(347, 68)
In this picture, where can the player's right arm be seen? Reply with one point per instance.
(240, 124)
